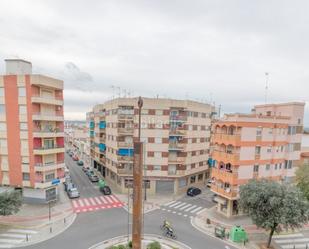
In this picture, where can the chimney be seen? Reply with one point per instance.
(17, 67)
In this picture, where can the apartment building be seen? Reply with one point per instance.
(176, 136)
(263, 144)
(31, 132)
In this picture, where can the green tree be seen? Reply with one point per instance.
(273, 206)
(302, 179)
(10, 202)
(154, 245)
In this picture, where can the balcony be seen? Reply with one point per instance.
(225, 176)
(125, 159)
(232, 158)
(176, 146)
(177, 132)
(46, 100)
(40, 167)
(125, 171)
(56, 132)
(124, 116)
(227, 193)
(125, 145)
(126, 131)
(48, 150)
(227, 139)
(176, 160)
(181, 118)
(47, 117)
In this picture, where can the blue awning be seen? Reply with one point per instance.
(126, 152)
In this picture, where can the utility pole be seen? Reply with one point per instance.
(137, 185)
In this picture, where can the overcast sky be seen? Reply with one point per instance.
(214, 51)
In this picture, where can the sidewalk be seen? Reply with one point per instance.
(32, 223)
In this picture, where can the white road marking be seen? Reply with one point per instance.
(188, 209)
(297, 246)
(200, 211)
(169, 203)
(295, 235)
(179, 213)
(103, 199)
(98, 200)
(174, 204)
(174, 212)
(114, 198)
(75, 204)
(92, 201)
(22, 231)
(285, 241)
(185, 215)
(87, 202)
(13, 235)
(81, 203)
(109, 199)
(11, 241)
(180, 205)
(196, 209)
(186, 206)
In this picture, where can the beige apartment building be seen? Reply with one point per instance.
(176, 136)
(263, 144)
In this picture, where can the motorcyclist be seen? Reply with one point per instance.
(167, 225)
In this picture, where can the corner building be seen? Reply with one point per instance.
(31, 132)
(263, 144)
(176, 136)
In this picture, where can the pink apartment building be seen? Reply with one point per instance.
(31, 132)
(263, 144)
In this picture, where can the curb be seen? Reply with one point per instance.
(154, 237)
(52, 235)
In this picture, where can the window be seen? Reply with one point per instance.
(270, 131)
(288, 164)
(26, 176)
(182, 182)
(192, 179)
(158, 140)
(23, 126)
(259, 131)
(280, 165)
(257, 150)
(22, 109)
(2, 126)
(269, 149)
(171, 169)
(256, 168)
(2, 109)
(3, 143)
(159, 112)
(159, 125)
(25, 160)
(157, 167)
(276, 166)
(267, 167)
(50, 177)
(291, 130)
(21, 91)
(200, 177)
(1, 91)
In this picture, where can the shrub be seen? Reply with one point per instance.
(154, 245)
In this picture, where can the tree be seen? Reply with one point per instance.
(154, 245)
(10, 202)
(302, 179)
(273, 206)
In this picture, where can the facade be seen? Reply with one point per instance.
(31, 132)
(176, 136)
(263, 144)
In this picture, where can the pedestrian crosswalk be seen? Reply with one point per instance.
(291, 241)
(182, 208)
(96, 203)
(13, 237)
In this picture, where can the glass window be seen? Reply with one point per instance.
(268, 149)
(159, 112)
(256, 168)
(2, 126)
(25, 160)
(2, 109)
(22, 109)
(26, 176)
(192, 179)
(182, 182)
(158, 140)
(267, 166)
(157, 167)
(157, 154)
(259, 131)
(3, 143)
(50, 177)
(1, 91)
(257, 150)
(23, 126)
(21, 91)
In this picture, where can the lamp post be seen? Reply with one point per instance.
(137, 184)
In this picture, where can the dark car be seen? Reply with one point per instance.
(89, 172)
(71, 153)
(193, 191)
(80, 163)
(85, 168)
(106, 190)
(93, 178)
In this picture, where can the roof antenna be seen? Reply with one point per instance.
(266, 86)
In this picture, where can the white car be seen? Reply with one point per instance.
(73, 193)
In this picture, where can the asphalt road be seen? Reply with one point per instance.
(93, 227)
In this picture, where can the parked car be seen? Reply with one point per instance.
(213, 198)
(80, 163)
(73, 193)
(75, 158)
(85, 168)
(209, 182)
(71, 153)
(93, 178)
(68, 151)
(68, 186)
(193, 191)
(89, 172)
(106, 190)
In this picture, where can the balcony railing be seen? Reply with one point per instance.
(175, 146)
(48, 149)
(232, 158)
(125, 145)
(176, 160)
(227, 139)
(47, 116)
(182, 118)
(125, 171)
(177, 132)
(225, 175)
(126, 116)
(229, 193)
(47, 100)
(125, 158)
(125, 130)
(48, 132)
(48, 166)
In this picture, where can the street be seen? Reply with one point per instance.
(92, 227)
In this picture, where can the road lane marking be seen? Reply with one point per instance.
(186, 206)
(92, 201)
(199, 212)
(169, 203)
(174, 204)
(103, 199)
(81, 203)
(174, 212)
(109, 199)
(75, 204)
(179, 213)
(114, 198)
(196, 209)
(188, 209)
(87, 202)
(180, 205)
(98, 200)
